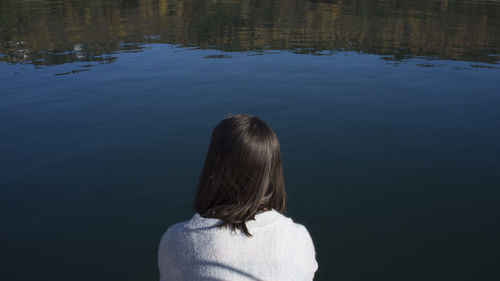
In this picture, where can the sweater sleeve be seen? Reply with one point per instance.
(166, 249)
(308, 252)
(169, 253)
(162, 260)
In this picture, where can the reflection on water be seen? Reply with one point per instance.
(56, 32)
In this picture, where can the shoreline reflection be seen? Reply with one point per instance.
(52, 33)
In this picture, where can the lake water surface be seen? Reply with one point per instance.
(388, 114)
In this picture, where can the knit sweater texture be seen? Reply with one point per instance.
(279, 250)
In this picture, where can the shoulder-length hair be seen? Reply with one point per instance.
(242, 174)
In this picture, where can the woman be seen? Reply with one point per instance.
(239, 231)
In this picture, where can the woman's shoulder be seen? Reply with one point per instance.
(303, 236)
(305, 246)
(182, 230)
(297, 227)
(297, 234)
(174, 231)
(301, 230)
(273, 221)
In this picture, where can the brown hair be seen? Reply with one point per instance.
(242, 174)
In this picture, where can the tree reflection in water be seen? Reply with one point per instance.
(49, 33)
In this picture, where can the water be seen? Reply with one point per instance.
(388, 114)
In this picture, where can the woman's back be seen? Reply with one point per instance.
(278, 249)
(239, 231)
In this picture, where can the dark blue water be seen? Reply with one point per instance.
(391, 161)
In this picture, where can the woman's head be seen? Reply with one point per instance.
(242, 174)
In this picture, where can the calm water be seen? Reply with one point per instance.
(388, 113)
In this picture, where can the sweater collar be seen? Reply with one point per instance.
(261, 219)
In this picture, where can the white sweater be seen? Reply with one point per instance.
(279, 249)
